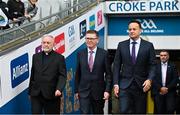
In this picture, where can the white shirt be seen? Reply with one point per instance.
(164, 72)
(136, 46)
(95, 49)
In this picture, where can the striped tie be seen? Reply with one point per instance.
(91, 62)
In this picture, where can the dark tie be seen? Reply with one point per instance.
(91, 62)
(133, 55)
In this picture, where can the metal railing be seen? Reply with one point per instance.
(15, 37)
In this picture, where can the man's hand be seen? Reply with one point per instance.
(58, 93)
(77, 95)
(116, 90)
(146, 85)
(106, 96)
(163, 90)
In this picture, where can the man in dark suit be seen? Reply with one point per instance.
(133, 71)
(164, 85)
(93, 76)
(178, 95)
(48, 78)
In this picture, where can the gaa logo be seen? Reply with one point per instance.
(82, 27)
(71, 31)
(147, 24)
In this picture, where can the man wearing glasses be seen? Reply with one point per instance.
(93, 76)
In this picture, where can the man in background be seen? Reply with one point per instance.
(164, 85)
(178, 96)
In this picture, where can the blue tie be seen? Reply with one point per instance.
(133, 52)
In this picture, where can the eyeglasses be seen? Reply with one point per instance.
(163, 55)
(91, 38)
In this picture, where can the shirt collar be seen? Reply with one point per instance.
(94, 50)
(164, 63)
(138, 40)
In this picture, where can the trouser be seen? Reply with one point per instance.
(89, 105)
(41, 105)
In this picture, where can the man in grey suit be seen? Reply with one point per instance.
(93, 76)
(48, 78)
(133, 70)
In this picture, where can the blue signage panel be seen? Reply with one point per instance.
(82, 27)
(92, 22)
(150, 25)
(19, 70)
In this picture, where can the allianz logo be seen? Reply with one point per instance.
(147, 24)
(20, 70)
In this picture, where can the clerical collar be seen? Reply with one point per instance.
(47, 53)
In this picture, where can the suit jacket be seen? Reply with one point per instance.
(171, 79)
(47, 79)
(124, 71)
(96, 82)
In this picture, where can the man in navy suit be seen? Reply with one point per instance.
(47, 80)
(133, 71)
(164, 85)
(93, 76)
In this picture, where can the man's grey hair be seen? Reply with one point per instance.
(47, 35)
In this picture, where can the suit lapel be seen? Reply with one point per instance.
(39, 61)
(127, 50)
(140, 50)
(159, 69)
(96, 58)
(86, 58)
(168, 72)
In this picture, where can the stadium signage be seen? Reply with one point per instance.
(19, 70)
(142, 6)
